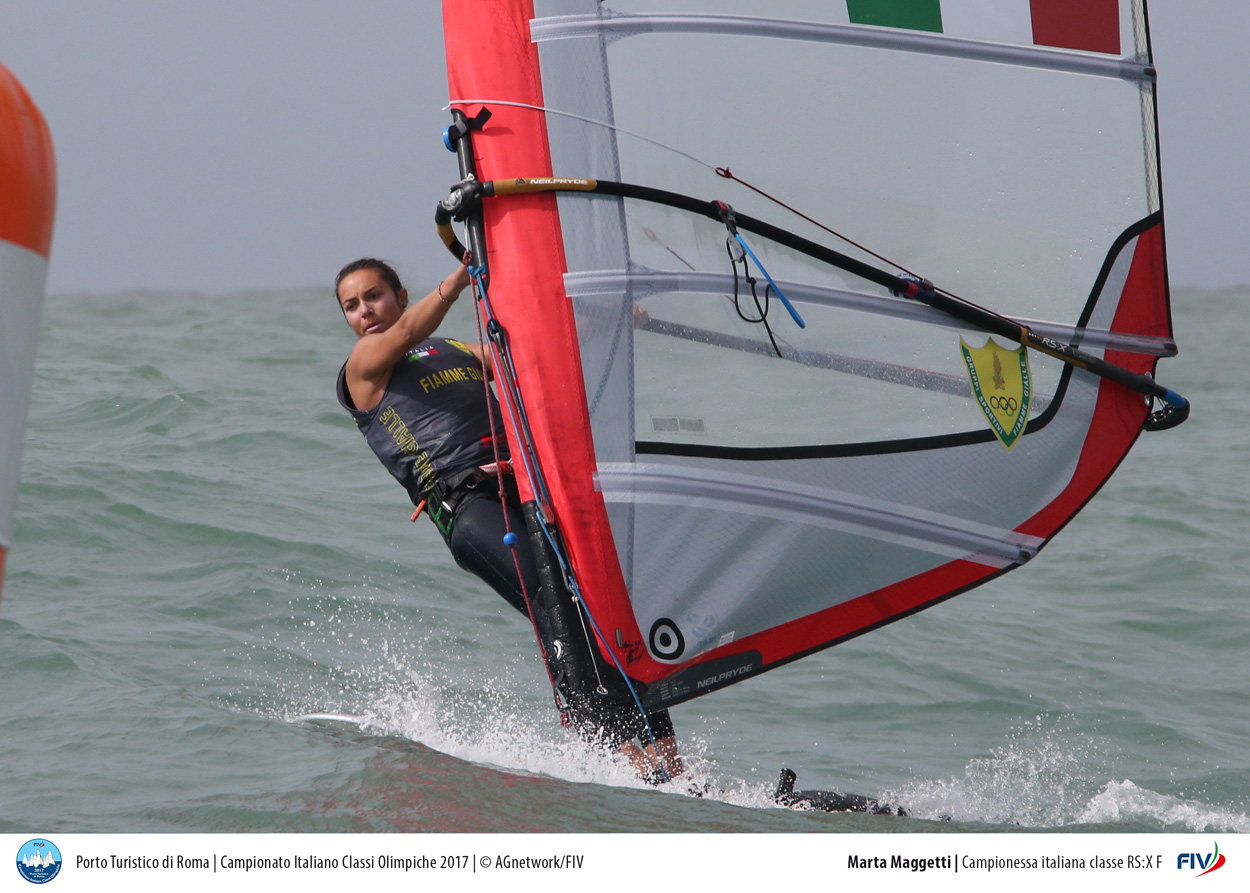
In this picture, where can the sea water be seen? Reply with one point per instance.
(206, 553)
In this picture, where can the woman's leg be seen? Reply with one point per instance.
(477, 545)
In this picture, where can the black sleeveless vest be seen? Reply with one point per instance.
(434, 419)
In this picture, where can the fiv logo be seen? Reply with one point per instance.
(1208, 861)
(38, 861)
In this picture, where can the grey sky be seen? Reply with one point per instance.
(254, 144)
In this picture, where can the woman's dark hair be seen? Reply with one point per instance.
(369, 263)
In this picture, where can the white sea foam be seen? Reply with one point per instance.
(1049, 776)
(1123, 801)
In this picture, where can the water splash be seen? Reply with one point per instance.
(1034, 780)
(439, 701)
(1123, 801)
(1050, 774)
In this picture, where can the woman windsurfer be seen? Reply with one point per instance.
(423, 405)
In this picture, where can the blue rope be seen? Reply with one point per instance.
(794, 314)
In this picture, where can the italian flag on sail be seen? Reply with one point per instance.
(1092, 25)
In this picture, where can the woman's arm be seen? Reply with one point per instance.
(483, 357)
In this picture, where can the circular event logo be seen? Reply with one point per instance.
(39, 861)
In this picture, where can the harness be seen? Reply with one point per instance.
(444, 500)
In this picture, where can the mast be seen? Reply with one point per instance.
(588, 691)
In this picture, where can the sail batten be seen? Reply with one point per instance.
(762, 497)
(646, 283)
(1055, 59)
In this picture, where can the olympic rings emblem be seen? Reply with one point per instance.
(1003, 404)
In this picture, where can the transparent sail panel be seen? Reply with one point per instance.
(1002, 183)
(757, 471)
(738, 371)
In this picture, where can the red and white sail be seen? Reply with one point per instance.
(27, 205)
(726, 510)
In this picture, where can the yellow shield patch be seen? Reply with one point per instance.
(1000, 380)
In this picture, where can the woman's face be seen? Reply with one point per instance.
(369, 303)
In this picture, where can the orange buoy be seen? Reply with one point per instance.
(27, 207)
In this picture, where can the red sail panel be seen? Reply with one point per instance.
(491, 57)
(1092, 25)
(1120, 413)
